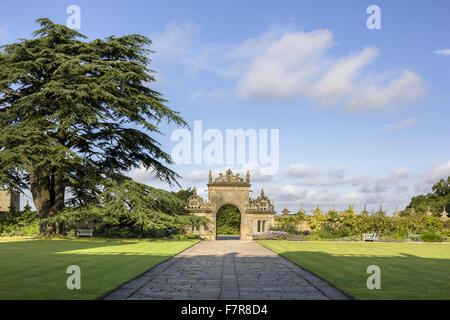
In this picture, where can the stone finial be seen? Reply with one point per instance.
(247, 177)
(262, 192)
(444, 215)
(301, 208)
(195, 192)
(396, 212)
(210, 177)
(365, 212)
(285, 211)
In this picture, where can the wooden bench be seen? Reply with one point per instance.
(85, 232)
(370, 237)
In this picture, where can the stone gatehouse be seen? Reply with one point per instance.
(257, 215)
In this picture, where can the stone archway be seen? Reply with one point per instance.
(228, 222)
(256, 215)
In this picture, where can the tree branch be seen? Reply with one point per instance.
(10, 92)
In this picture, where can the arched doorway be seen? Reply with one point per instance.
(233, 190)
(228, 223)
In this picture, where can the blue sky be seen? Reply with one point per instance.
(362, 114)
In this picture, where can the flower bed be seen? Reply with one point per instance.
(270, 235)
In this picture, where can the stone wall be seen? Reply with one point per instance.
(8, 200)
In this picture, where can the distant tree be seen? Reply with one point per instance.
(332, 215)
(317, 219)
(442, 188)
(300, 215)
(434, 201)
(380, 213)
(184, 194)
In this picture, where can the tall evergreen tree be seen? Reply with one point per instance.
(75, 113)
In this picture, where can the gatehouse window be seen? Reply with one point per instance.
(259, 225)
(263, 226)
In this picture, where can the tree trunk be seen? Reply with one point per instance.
(40, 189)
(57, 193)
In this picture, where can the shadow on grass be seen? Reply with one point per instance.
(403, 276)
(37, 269)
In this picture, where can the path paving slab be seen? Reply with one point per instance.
(227, 270)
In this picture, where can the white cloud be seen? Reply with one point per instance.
(427, 180)
(442, 52)
(313, 184)
(406, 88)
(308, 175)
(301, 170)
(178, 45)
(297, 65)
(286, 66)
(254, 169)
(141, 175)
(174, 42)
(405, 123)
(395, 182)
(339, 81)
(197, 176)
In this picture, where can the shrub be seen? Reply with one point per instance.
(333, 231)
(289, 228)
(431, 237)
(186, 236)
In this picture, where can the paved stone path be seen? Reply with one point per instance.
(227, 269)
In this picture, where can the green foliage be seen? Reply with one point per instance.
(228, 220)
(347, 224)
(333, 231)
(77, 113)
(317, 219)
(435, 201)
(431, 237)
(127, 208)
(442, 188)
(186, 236)
(184, 194)
(24, 223)
(286, 227)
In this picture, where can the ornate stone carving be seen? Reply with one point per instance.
(261, 204)
(229, 188)
(196, 203)
(229, 179)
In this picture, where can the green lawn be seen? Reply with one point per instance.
(408, 270)
(36, 269)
